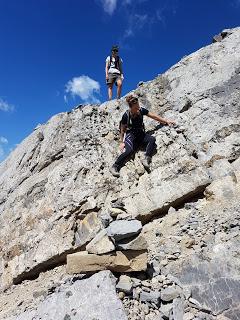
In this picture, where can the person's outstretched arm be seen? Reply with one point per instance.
(160, 119)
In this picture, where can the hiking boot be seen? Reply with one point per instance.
(114, 171)
(146, 162)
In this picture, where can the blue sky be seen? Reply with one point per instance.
(53, 51)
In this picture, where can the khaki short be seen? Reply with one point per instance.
(113, 77)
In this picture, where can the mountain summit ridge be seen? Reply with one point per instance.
(57, 195)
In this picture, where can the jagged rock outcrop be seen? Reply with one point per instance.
(57, 196)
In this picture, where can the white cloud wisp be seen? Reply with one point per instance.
(109, 6)
(136, 22)
(3, 140)
(4, 106)
(83, 87)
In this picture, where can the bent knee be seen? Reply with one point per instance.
(129, 150)
(152, 139)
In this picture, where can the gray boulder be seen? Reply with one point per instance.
(78, 302)
(122, 229)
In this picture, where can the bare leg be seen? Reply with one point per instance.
(110, 87)
(119, 88)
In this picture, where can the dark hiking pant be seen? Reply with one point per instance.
(132, 142)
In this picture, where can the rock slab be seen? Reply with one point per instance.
(93, 298)
(127, 261)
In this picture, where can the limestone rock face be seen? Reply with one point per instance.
(57, 196)
(78, 302)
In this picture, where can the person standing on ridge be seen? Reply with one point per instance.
(132, 134)
(114, 73)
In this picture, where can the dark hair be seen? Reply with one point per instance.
(115, 48)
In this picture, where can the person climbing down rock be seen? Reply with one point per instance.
(114, 73)
(132, 134)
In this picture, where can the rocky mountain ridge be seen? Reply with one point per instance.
(170, 235)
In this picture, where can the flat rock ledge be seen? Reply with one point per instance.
(127, 261)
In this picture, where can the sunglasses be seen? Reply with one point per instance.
(134, 100)
(114, 50)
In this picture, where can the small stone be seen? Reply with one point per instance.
(87, 229)
(125, 284)
(146, 284)
(139, 243)
(167, 282)
(114, 212)
(69, 294)
(171, 257)
(145, 308)
(40, 136)
(171, 210)
(100, 244)
(136, 293)
(117, 203)
(121, 295)
(170, 293)
(174, 280)
(124, 216)
(163, 262)
(136, 282)
(187, 242)
(217, 38)
(39, 293)
(153, 296)
(165, 309)
(160, 278)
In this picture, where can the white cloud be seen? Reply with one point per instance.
(133, 2)
(167, 7)
(4, 106)
(160, 16)
(149, 16)
(236, 3)
(83, 87)
(1, 153)
(3, 140)
(135, 23)
(109, 6)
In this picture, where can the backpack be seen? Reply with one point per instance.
(129, 121)
(116, 63)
